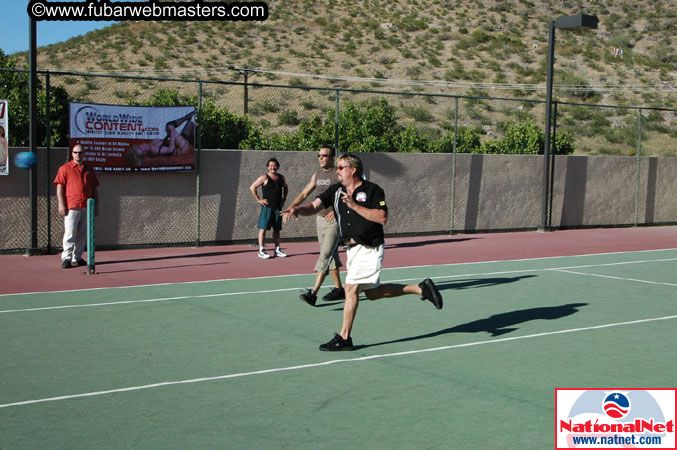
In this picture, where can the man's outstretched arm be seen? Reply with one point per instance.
(306, 210)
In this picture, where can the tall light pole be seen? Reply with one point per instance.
(32, 248)
(577, 22)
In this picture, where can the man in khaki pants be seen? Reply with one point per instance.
(75, 184)
(326, 226)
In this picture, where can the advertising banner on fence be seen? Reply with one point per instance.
(4, 138)
(120, 139)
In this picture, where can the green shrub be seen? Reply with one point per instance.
(308, 104)
(626, 135)
(477, 37)
(410, 140)
(14, 89)
(491, 147)
(468, 141)
(418, 114)
(411, 23)
(289, 118)
(522, 138)
(297, 82)
(526, 138)
(264, 107)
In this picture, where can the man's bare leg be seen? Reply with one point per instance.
(426, 289)
(320, 277)
(349, 309)
(336, 277)
(392, 290)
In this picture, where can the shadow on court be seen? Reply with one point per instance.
(480, 282)
(143, 269)
(497, 324)
(428, 242)
(168, 258)
(463, 284)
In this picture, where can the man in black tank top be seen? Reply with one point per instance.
(327, 229)
(274, 193)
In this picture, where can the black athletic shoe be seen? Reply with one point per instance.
(66, 264)
(335, 294)
(337, 344)
(81, 262)
(430, 292)
(309, 297)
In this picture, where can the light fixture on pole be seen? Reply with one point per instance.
(577, 22)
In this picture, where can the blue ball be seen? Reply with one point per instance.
(25, 160)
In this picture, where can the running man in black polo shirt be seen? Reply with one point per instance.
(361, 210)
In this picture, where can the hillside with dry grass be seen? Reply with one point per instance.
(474, 48)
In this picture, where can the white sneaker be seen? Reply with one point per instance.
(263, 254)
(280, 253)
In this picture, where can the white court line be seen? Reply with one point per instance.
(228, 294)
(614, 264)
(327, 363)
(150, 300)
(307, 274)
(614, 278)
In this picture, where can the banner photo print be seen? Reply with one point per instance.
(120, 139)
(4, 138)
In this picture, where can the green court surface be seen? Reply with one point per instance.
(235, 364)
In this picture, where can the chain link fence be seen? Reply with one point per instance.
(279, 110)
(471, 190)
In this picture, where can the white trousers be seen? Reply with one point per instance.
(74, 234)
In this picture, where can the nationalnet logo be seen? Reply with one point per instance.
(615, 418)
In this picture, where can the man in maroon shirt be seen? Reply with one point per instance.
(75, 184)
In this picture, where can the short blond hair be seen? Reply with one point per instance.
(354, 162)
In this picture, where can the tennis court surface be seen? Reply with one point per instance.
(211, 347)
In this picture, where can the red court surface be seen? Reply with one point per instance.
(175, 265)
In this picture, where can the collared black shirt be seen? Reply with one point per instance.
(351, 224)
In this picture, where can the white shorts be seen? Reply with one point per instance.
(364, 266)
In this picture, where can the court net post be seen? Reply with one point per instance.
(91, 205)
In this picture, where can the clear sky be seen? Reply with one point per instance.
(14, 22)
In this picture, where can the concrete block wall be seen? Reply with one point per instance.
(491, 192)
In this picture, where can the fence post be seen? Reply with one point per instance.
(639, 152)
(453, 168)
(197, 163)
(48, 135)
(553, 152)
(32, 248)
(336, 122)
(246, 93)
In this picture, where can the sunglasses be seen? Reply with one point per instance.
(342, 167)
(320, 155)
(77, 153)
